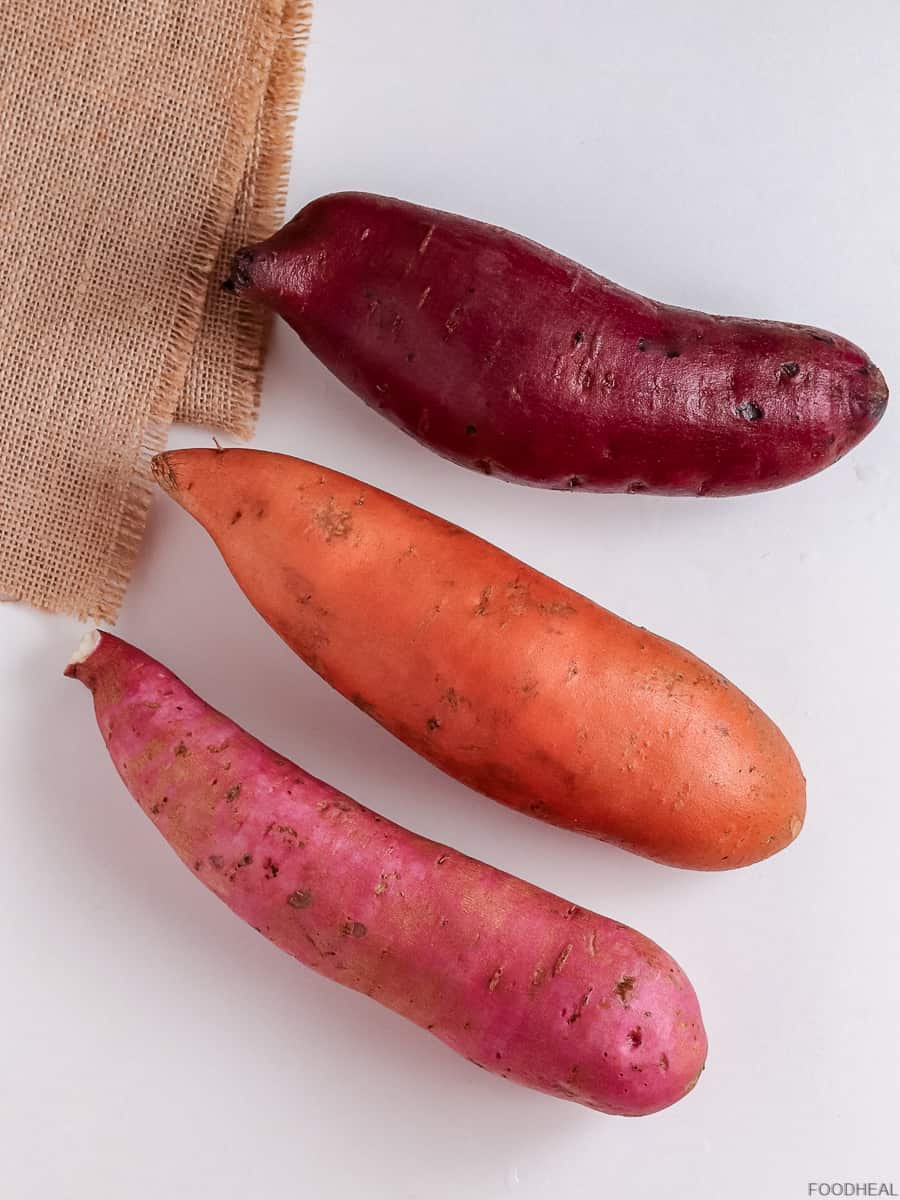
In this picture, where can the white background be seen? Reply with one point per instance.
(738, 158)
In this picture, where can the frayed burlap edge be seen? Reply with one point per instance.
(278, 77)
(285, 86)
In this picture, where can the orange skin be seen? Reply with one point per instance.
(505, 679)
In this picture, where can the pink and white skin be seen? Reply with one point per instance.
(517, 980)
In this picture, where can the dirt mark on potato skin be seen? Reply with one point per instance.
(333, 521)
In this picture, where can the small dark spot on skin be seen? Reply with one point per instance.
(354, 929)
(180, 750)
(790, 369)
(433, 723)
(664, 1062)
(636, 486)
(483, 601)
(442, 859)
(300, 899)
(233, 792)
(750, 411)
(572, 911)
(494, 980)
(673, 353)
(577, 337)
(572, 671)
(237, 516)
(642, 344)
(245, 861)
(574, 481)
(271, 869)
(635, 1037)
(411, 357)
(217, 861)
(484, 465)
(625, 987)
(821, 337)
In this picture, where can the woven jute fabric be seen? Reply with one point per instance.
(140, 145)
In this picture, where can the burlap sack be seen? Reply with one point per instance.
(140, 144)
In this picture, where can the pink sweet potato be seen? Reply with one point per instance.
(520, 982)
(510, 359)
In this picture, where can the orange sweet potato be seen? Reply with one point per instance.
(503, 678)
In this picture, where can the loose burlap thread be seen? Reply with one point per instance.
(140, 145)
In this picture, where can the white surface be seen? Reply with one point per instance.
(731, 157)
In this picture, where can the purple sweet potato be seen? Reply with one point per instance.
(518, 981)
(512, 360)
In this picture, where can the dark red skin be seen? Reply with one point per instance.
(510, 359)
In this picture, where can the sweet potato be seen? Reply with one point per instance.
(507, 680)
(507, 358)
(520, 982)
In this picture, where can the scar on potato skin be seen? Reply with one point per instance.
(483, 601)
(625, 988)
(333, 521)
(580, 1007)
(562, 959)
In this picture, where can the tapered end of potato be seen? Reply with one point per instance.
(193, 479)
(85, 649)
(163, 473)
(241, 277)
(879, 395)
